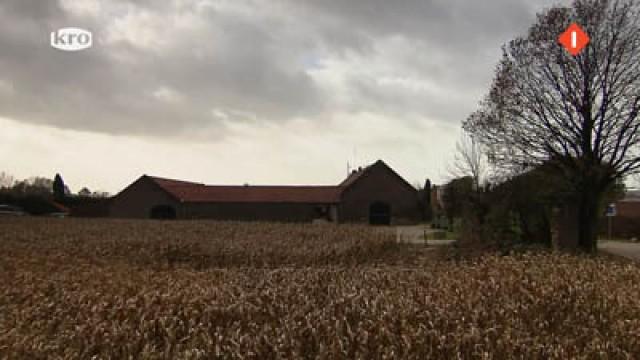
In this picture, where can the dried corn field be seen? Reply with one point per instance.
(201, 290)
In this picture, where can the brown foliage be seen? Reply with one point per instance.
(83, 289)
(199, 244)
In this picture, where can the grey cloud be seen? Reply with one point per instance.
(33, 9)
(214, 66)
(451, 25)
(456, 45)
(95, 90)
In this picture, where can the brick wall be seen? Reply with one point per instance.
(626, 223)
(289, 212)
(629, 209)
(564, 228)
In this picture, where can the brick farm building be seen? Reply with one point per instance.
(375, 194)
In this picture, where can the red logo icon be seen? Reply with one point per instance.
(574, 39)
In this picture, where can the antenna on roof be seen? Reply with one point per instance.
(348, 168)
(355, 156)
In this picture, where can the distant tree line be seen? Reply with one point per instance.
(41, 195)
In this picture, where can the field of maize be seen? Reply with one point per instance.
(104, 289)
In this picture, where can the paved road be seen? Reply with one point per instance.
(415, 235)
(626, 249)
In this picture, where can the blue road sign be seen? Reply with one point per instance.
(611, 210)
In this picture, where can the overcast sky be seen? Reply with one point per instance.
(232, 91)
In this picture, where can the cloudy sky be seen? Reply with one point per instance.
(234, 91)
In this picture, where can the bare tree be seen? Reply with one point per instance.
(470, 160)
(579, 114)
(6, 180)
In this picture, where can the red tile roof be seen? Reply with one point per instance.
(196, 192)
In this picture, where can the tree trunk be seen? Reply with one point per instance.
(588, 216)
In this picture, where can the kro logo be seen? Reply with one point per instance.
(71, 39)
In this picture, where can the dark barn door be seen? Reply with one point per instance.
(163, 212)
(379, 213)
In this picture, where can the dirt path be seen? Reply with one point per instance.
(416, 235)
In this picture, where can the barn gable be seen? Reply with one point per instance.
(378, 195)
(144, 199)
(378, 166)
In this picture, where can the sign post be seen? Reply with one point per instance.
(611, 212)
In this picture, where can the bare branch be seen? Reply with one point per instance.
(470, 160)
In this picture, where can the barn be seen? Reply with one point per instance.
(374, 194)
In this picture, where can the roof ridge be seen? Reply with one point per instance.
(163, 179)
(191, 183)
(274, 186)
